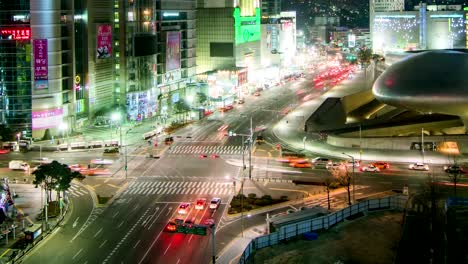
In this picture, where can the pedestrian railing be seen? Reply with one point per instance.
(321, 223)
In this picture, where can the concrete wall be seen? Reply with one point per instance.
(394, 143)
(354, 101)
(329, 114)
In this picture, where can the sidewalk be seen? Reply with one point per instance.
(290, 131)
(23, 217)
(232, 252)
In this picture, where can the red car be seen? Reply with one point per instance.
(381, 165)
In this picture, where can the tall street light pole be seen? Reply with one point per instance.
(352, 160)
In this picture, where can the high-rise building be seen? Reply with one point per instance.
(36, 66)
(158, 55)
(383, 6)
(270, 8)
(228, 35)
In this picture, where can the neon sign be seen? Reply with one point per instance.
(16, 33)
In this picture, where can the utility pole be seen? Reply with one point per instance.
(422, 144)
(213, 238)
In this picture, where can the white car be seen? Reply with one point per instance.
(215, 203)
(357, 164)
(102, 161)
(370, 168)
(418, 166)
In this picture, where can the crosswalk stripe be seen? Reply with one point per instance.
(153, 191)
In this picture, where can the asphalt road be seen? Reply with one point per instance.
(131, 229)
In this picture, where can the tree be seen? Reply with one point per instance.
(454, 172)
(180, 107)
(329, 181)
(54, 176)
(341, 174)
(364, 55)
(201, 98)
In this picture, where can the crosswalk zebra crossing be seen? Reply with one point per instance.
(198, 149)
(323, 202)
(76, 191)
(172, 187)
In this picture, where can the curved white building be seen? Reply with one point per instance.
(428, 82)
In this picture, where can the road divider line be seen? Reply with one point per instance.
(136, 244)
(102, 244)
(121, 223)
(5, 252)
(157, 216)
(98, 232)
(77, 253)
(115, 214)
(167, 248)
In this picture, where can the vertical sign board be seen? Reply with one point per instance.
(104, 41)
(172, 50)
(40, 64)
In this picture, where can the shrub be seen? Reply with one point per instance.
(252, 195)
(267, 197)
(284, 198)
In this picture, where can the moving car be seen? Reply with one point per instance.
(256, 94)
(319, 161)
(189, 221)
(209, 222)
(168, 140)
(370, 168)
(333, 165)
(184, 208)
(215, 202)
(357, 163)
(18, 165)
(381, 165)
(455, 168)
(171, 226)
(301, 164)
(102, 161)
(240, 101)
(418, 166)
(200, 205)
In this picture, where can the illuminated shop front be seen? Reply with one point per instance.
(141, 105)
(225, 85)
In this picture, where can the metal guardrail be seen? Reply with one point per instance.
(320, 223)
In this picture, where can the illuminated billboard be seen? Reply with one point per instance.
(40, 64)
(47, 118)
(104, 41)
(172, 50)
(247, 27)
(16, 33)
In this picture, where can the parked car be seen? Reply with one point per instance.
(418, 166)
(381, 165)
(370, 168)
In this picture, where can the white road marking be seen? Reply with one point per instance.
(136, 244)
(77, 253)
(167, 248)
(102, 244)
(98, 232)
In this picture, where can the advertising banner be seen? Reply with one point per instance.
(47, 118)
(41, 71)
(172, 50)
(104, 41)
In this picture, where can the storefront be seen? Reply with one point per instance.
(142, 105)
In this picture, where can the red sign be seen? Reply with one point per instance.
(16, 33)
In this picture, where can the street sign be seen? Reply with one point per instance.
(191, 229)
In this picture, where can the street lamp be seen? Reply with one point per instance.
(64, 128)
(115, 117)
(352, 160)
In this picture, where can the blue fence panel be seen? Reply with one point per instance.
(323, 222)
(304, 227)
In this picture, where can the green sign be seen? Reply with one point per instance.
(191, 229)
(247, 28)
